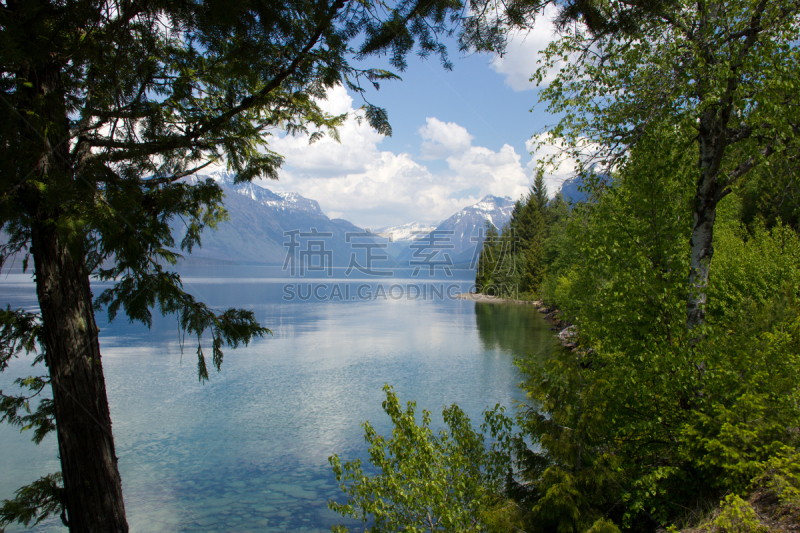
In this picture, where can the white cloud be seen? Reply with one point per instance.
(327, 157)
(372, 187)
(440, 139)
(558, 165)
(497, 173)
(520, 60)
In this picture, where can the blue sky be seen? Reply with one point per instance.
(457, 136)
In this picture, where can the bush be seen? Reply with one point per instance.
(425, 482)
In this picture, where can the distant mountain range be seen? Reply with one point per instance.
(289, 229)
(262, 221)
(406, 232)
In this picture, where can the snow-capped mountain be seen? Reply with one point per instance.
(491, 208)
(281, 201)
(466, 228)
(458, 236)
(261, 225)
(260, 221)
(406, 232)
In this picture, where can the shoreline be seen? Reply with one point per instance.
(566, 331)
(488, 298)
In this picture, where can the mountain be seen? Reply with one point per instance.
(265, 226)
(570, 192)
(269, 227)
(405, 232)
(458, 236)
(570, 189)
(465, 228)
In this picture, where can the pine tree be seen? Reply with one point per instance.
(539, 191)
(525, 236)
(487, 261)
(516, 213)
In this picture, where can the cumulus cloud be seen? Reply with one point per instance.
(327, 157)
(440, 139)
(521, 57)
(370, 187)
(558, 165)
(498, 173)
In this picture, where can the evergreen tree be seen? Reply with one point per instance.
(539, 191)
(531, 233)
(106, 107)
(516, 213)
(533, 272)
(530, 227)
(507, 268)
(487, 261)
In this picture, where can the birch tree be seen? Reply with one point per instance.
(727, 71)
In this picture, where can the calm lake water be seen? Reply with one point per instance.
(248, 450)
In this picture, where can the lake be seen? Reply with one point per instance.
(248, 450)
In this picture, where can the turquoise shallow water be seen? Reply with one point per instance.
(247, 451)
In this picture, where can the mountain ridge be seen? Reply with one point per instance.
(265, 226)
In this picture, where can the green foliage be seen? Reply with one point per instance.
(627, 280)
(20, 332)
(781, 479)
(34, 502)
(616, 84)
(539, 192)
(136, 294)
(512, 263)
(749, 406)
(426, 482)
(487, 261)
(638, 419)
(771, 193)
(674, 102)
(752, 266)
(723, 73)
(603, 525)
(735, 516)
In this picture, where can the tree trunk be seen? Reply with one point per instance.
(704, 213)
(702, 250)
(93, 489)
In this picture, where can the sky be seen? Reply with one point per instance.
(457, 136)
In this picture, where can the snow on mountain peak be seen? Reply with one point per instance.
(281, 200)
(407, 232)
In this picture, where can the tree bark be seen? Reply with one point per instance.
(704, 213)
(93, 489)
(702, 250)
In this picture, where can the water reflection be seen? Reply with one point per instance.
(513, 328)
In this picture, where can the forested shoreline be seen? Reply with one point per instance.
(636, 425)
(677, 404)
